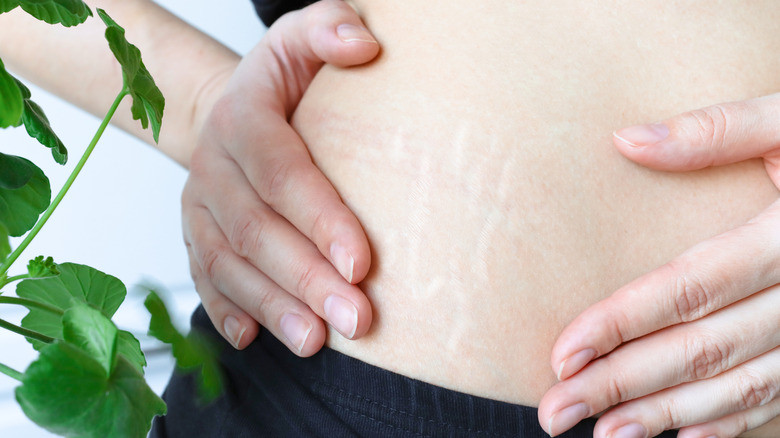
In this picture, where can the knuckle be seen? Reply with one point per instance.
(212, 260)
(669, 414)
(275, 180)
(247, 231)
(262, 303)
(693, 297)
(712, 124)
(705, 357)
(616, 390)
(319, 226)
(306, 278)
(754, 391)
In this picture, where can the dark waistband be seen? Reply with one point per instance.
(272, 392)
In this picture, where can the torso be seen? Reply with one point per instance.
(477, 153)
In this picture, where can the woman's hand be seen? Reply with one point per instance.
(268, 237)
(694, 344)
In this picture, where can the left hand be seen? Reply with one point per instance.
(694, 344)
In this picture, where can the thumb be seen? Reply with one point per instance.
(329, 31)
(712, 136)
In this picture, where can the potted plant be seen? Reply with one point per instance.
(88, 380)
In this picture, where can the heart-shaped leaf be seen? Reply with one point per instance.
(20, 207)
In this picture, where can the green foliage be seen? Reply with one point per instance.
(42, 268)
(15, 172)
(20, 207)
(129, 347)
(68, 392)
(88, 379)
(37, 125)
(193, 353)
(76, 284)
(11, 98)
(148, 101)
(65, 12)
(5, 243)
(91, 331)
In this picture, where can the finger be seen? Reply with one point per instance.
(682, 353)
(235, 325)
(705, 278)
(331, 32)
(736, 424)
(712, 136)
(281, 169)
(754, 383)
(286, 179)
(287, 318)
(276, 248)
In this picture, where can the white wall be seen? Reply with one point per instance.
(122, 214)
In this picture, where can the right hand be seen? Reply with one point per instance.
(268, 237)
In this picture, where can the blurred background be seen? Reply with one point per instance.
(122, 216)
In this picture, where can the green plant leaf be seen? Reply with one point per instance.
(20, 208)
(160, 325)
(91, 331)
(8, 5)
(15, 172)
(65, 12)
(37, 125)
(129, 347)
(5, 243)
(68, 392)
(75, 284)
(193, 353)
(42, 268)
(11, 98)
(148, 101)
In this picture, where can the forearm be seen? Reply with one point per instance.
(75, 63)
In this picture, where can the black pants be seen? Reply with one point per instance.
(271, 392)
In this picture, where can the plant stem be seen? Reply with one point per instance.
(25, 332)
(31, 304)
(9, 280)
(64, 190)
(10, 372)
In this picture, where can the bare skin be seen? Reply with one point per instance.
(482, 168)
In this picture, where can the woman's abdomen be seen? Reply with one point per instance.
(477, 153)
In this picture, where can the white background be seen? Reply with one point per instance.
(122, 216)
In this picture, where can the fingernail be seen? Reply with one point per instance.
(296, 329)
(643, 135)
(633, 430)
(234, 330)
(566, 418)
(351, 33)
(344, 261)
(342, 315)
(575, 362)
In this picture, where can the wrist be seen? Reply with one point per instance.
(205, 97)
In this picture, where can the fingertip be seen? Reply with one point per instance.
(345, 244)
(340, 37)
(639, 136)
(572, 350)
(302, 336)
(575, 362)
(233, 330)
(350, 33)
(238, 328)
(365, 317)
(343, 261)
(652, 145)
(316, 339)
(353, 45)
